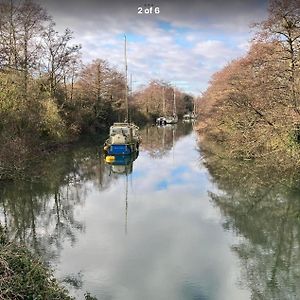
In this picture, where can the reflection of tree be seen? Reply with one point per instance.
(40, 211)
(261, 203)
(158, 141)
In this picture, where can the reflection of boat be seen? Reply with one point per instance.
(121, 164)
(123, 138)
(186, 117)
(158, 140)
(174, 118)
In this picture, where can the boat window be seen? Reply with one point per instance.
(119, 130)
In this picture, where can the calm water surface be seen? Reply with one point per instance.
(162, 231)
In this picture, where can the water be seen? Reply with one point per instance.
(165, 229)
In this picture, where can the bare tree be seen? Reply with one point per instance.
(59, 55)
(32, 19)
(283, 25)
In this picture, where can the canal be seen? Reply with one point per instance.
(166, 226)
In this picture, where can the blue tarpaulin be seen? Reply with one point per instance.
(119, 150)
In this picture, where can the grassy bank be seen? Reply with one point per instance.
(24, 276)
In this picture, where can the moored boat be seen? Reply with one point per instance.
(172, 119)
(190, 116)
(124, 138)
(161, 121)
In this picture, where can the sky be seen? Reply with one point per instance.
(183, 44)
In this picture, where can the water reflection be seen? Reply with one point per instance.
(40, 211)
(121, 164)
(159, 140)
(260, 203)
(152, 234)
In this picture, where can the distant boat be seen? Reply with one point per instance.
(190, 116)
(187, 116)
(174, 118)
(124, 138)
(161, 121)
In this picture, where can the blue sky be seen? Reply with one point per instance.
(184, 44)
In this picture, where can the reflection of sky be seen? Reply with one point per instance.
(175, 247)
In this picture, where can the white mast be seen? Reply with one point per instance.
(126, 89)
(164, 102)
(174, 103)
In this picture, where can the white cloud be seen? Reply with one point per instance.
(186, 49)
(214, 49)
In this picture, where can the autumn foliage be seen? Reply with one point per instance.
(252, 105)
(157, 99)
(47, 96)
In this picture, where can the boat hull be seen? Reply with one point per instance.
(172, 121)
(123, 149)
(161, 121)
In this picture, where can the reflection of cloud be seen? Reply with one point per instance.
(175, 247)
(167, 45)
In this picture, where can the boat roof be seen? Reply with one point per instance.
(125, 125)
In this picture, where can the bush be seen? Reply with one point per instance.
(23, 276)
(53, 126)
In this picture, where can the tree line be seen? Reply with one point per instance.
(252, 104)
(157, 99)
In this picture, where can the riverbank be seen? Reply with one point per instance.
(24, 276)
(18, 156)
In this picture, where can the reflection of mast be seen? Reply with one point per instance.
(173, 136)
(147, 134)
(163, 140)
(126, 204)
(101, 171)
